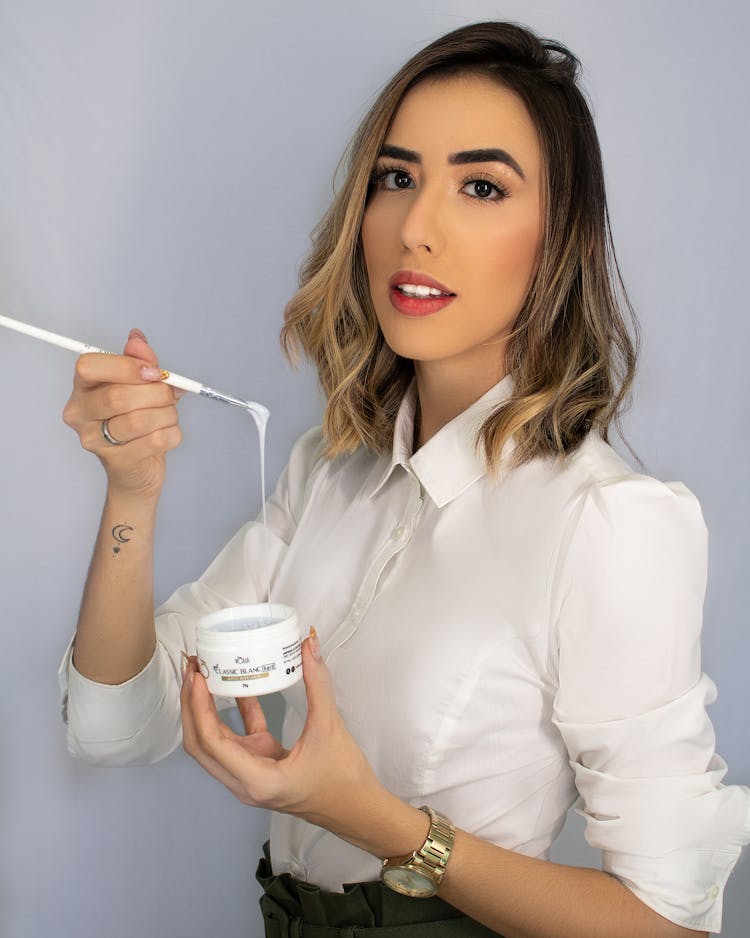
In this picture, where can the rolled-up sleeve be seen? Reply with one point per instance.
(138, 722)
(631, 699)
(134, 723)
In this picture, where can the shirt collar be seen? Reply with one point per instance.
(448, 463)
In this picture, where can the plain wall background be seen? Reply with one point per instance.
(161, 165)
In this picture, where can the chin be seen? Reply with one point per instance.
(411, 340)
(412, 350)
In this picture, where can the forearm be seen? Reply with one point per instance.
(115, 637)
(522, 897)
(515, 895)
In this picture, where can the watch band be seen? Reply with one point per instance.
(436, 850)
(431, 858)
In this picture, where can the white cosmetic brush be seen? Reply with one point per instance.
(169, 377)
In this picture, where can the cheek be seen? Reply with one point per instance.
(373, 234)
(510, 253)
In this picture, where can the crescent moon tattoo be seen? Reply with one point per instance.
(118, 533)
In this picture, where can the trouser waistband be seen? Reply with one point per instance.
(295, 909)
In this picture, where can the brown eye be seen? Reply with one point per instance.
(392, 179)
(484, 191)
(482, 188)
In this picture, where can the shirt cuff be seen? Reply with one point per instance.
(698, 877)
(107, 722)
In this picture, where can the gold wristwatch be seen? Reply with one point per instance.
(419, 874)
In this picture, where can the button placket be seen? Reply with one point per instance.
(396, 543)
(368, 589)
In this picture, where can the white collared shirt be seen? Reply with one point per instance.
(498, 649)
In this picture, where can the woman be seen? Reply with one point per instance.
(506, 615)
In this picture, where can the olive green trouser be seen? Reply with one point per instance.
(294, 909)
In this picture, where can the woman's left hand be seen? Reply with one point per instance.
(324, 778)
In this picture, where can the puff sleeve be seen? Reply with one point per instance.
(138, 722)
(631, 699)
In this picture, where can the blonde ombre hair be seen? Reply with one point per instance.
(571, 354)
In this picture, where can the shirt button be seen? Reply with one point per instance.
(714, 891)
(398, 532)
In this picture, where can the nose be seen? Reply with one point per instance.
(421, 226)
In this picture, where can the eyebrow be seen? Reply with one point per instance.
(483, 155)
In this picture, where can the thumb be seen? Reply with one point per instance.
(321, 701)
(137, 347)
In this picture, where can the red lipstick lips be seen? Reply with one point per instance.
(415, 305)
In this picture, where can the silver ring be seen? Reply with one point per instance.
(108, 436)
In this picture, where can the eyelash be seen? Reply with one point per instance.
(379, 174)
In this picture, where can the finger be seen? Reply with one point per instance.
(321, 701)
(215, 741)
(253, 717)
(108, 400)
(137, 346)
(191, 743)
(140, 423)
(94, 368)
(98, 401)
(207, 702)
(155, 444)
(218, 772)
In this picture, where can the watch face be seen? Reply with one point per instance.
(409, 882)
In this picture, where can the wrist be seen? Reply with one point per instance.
(420, 873)
(386, 826)
(403, 832)
(143, 504)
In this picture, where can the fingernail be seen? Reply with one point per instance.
(314, 643)
(183, 664)
(178, 393)
(151, 374)
(137, 334)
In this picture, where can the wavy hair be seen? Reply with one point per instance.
(571, 352)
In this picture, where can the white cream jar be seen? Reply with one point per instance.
(246, 651)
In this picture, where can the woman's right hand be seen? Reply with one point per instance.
(140, 409)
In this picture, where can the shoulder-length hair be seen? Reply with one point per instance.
(571, 354)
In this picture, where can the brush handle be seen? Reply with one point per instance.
(52, 337)
(177, 381)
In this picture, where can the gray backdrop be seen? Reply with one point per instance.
(161, 165)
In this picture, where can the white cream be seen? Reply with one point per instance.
(260, 415)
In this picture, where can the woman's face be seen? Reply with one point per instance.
(456, 198)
